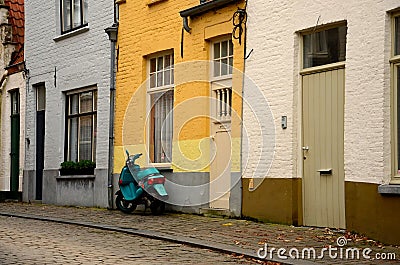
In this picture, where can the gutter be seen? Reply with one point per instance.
(201, 9)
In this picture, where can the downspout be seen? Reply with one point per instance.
(25, 193)
(3, 82)
(112, 34)
(245, 57)
(111, 126)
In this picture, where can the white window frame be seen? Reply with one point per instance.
(158, 89)
(221, 84)
(212, 52)
(395, 89)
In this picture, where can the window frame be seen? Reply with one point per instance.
(40, 95)
(68, 116)
(395, 89)
(221, 83)
(83, 18)
(213, 59)
(15, 102)
(154, 90)
(320, 29)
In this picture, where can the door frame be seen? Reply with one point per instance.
(218, 126)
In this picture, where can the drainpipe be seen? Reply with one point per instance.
(3, 82)
(112, 35)
(245, 57)
(26, 193)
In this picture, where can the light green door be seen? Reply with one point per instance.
(323, 145)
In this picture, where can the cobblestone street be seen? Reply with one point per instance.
(26, 241)
(105, 246)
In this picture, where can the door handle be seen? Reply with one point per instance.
(305, 148)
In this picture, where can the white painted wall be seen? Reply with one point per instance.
(81, 60)
(14, 81)
(274, 66)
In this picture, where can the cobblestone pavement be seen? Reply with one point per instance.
(25, 241)
(241, 233)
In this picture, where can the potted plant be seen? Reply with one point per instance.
(83, 167)
(86, 167)
(67, 168)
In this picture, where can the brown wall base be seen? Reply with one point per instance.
(370, 213)
(274, 200)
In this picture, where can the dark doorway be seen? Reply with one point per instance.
(15, 134)
(40, 130)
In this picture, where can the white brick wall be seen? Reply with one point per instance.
(14, 81)
(274, 67)
(81, 60)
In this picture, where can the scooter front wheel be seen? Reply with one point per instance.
(123, 205)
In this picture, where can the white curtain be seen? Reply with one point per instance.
(163, 126)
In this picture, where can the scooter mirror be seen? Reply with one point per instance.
(127, 153)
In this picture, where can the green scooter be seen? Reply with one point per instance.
(140, 186)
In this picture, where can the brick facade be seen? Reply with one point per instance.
(64, 62)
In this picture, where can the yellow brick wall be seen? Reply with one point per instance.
(147, 29)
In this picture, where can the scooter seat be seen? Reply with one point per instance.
(146, 172)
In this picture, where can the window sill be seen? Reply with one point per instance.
(153, 2)
(395, 180)
(322, 68)
(71, 33)
(221, 78)
(389, 189)
(70, 177)
(161, 166)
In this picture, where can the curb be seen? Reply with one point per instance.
(224, 248)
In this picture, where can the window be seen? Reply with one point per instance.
(395, 75)
(73, 14)
(222, 58)
(396, 35)
(161, 72)
(224, 103)
(14, 102)
(324, 47)
(222, 54)
(81, 124)
(161, 92)
(40, 98)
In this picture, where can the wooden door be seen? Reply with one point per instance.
(323, 145)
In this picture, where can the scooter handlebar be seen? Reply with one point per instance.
(133, 157)
(137, 156)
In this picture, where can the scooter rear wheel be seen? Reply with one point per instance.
(123, 205)
(157, 207)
